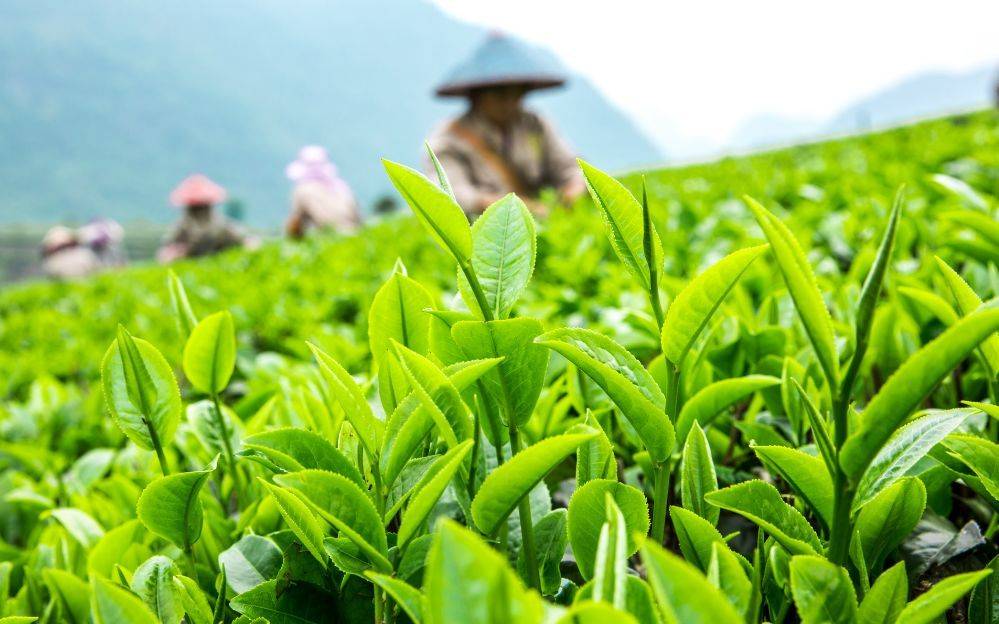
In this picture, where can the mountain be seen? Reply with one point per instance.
(106, 104)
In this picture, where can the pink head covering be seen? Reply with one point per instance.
(313, 165)
(197, 190)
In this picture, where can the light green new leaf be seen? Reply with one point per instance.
(210, 353)
(967, 302)
(507, 484)
(981, 456)
(610, 567)
(79, 524)
(344, 505)
(696, 536)
(804, 290)
(906, 447)
(983, 605)
(437, 394)
(806, 474)
(296, 603)
(589, 612)
(931, 302)
(300, 519)
(252, 560)
(697, 475)
(618, 373)
(112, 548)
(72, 593)
(623, 215)
(182, 312)
(423, 500)
(886, 598)
(822, 591)
(295, 449)
(587, 513)
(888, 519)
(761, 503)
(345, 390)
(404, 594)
(111, 603)
(169, 506)
(715, 398)
(693, 307)
(140, 391)
(195, 602)
(931, 605)
(910, 384)
(435, 208)
(960, 188)
(594, 459)
(153, 583)
(683, 592)
(726, 572)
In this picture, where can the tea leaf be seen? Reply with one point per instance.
(715, 398)
(587, 514)
(249, 562)
(300, 520)
(886, 598)
(609, 570)
(696, 536)
(550, 539)
(436, 209)
(674, 582)
(437, 394)
(195, 603)
(210, 353)
(404, 594)
(761, 503)
(153, 582)
(111, 603)
(423, 501)
(169, 506)
(807, 475)
(725, 572)
(182, 312)
(822, 591)
(889, 518)
(979, 454)
(929, 606)
(967, 302)
(296, 449)
(697, 475)
(347, 393)
(72, 594)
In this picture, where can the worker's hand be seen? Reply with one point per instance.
(171, 252)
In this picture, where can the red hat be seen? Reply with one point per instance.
(197, 190)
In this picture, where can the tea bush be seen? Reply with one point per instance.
(673, 403)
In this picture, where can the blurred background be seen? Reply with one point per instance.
(106, 104)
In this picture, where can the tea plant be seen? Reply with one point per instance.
(781, 452)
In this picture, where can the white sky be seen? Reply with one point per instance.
(700, 68)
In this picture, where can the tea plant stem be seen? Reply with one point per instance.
(840, 533)
(477, 291)
(227, 446)
(476, 431)
(526, 524)
(659, 502)
(378, 604)
(157, 446)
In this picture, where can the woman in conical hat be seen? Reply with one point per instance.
(63, 257)
(201, 230)
(498, 146)
(321, 199)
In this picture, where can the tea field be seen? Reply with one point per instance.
(760, 389)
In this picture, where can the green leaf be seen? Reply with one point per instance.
(697, 475)
(79, 524)
(983, 606)
(906, 447)
(822, 591)
(72, 593)
(684, 594)
(589, 612)
(981, 456)
(342, 386)
(726, 572)
(696, 536)
(297, 603)
(610, 567)
(344, 505)
(804, 290)
(587, 514)
(182, 312)
(435, 208)
(140, 391)
(888, 519)
(618, 373)
(437, 394)
(959, 188)
(169, 506)
(195, 602)
(550, 539)
(516, 382)
(300, 519)
(295, 449)
(806, 474)
(931, 302)
(910, 384)
(929, 606)
(694, 306)
(111, 548)
(507, 484)
(404, 594)
(967, 302)
(761, 503)
(715, 398)
(210, 353)
(111, 603)
(886, 598)
(153, 582)
(623, 216)
(423, 501)
(249, 562)
(594, 459)
(503, 250)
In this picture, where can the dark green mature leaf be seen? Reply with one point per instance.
(623, 215)
(804, 290)
(694, 306)
(983, 606)
(726, 572)
(618, 373)
(550, 539)
(249, 562)
(715, 398)
(886, 598)
(72, 593)
(822, 591)
(140, 391)
(169, 506)
(906, 447)
(516, 382)
(981, 456)
(761, 503)
(298, 603)
(697, 475)
(587, 514)
(888, 518)
(404, 594)
(507, 484)
(806, 474)
(436, 209)
(910, 384)
(675, 582)
(296, 449)
(931, 605)
(345, 390)
(429, 492)
(301, 520)
(344, 505)
(696, 536)
(210, 353)
(437, 394)
(111, 603)
(153, 582)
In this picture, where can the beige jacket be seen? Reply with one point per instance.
(313, 205)
(71, 263)
(532, 150)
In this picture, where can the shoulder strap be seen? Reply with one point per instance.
(493, 159)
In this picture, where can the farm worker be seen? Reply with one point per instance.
(498, 146)
(321, 199)
(63, 257)
(201, 231)
(105, 238)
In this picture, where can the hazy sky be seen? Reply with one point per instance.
(700, 68)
